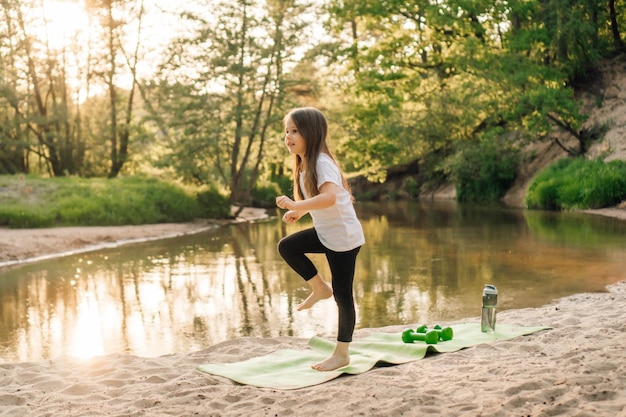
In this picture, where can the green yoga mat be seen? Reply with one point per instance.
(291, 369)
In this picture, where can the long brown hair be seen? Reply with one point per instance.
(312, 126)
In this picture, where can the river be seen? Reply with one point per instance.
(423, 263)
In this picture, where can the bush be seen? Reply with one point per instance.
(285, 184)
(39, 202)
(264, 195)
(483, 172)
(365, 196)
(412, 187)
(167, 202)
(124, 201)
(578, 184)
(24, 217)
(213, 205)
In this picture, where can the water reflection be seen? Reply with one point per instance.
(422, 263)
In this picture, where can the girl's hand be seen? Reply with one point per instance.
(285, 202)
(291, 216)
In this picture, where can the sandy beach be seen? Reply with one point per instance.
(578, 368)
(18, 246)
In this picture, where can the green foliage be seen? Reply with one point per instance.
(125, 201)
(374, 136)
(285, 184)
(213, 204)
(399, 80)
(542, 107)
(365, 196)
(484, 171)
(578, 184)
(22, 217)
(411, 186)
(39, 202)
(230, 92)
(437, 73)
(264, 195)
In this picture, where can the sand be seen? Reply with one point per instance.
(19, 246)
(576, 369)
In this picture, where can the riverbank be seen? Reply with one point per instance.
(18, 246)
(575, 369)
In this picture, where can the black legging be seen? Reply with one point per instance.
(342, 264)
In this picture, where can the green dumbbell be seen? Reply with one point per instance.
(430, 337)
(444, 333)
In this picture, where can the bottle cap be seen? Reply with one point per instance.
(490, 290)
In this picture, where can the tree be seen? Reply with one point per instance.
(13, 149)
(618, 43)
(224, 87)
(417, 77)
(39, 109)
(429, 75)
(108, 66)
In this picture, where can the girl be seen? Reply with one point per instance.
(321, 189)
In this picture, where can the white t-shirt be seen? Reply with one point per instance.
(337, 227)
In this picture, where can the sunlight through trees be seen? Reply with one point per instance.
(196, 91)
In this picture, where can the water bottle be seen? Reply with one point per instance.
(490, 301)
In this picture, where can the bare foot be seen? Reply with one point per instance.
(321, 291)
(332, 363)
(314, 297)
(339, 358)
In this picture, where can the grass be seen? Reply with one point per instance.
(578, 184)
(34, 202)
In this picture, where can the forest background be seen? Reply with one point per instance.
(194, 93)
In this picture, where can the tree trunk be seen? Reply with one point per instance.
(617, 40)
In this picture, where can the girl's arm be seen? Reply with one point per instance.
(326, 198)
